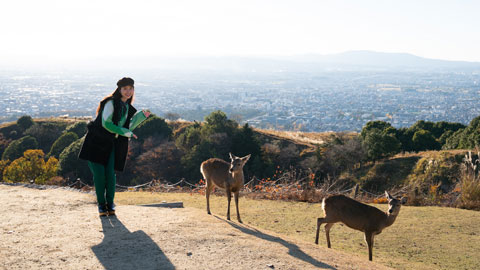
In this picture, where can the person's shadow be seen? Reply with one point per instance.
(293, 250)
(122, 249)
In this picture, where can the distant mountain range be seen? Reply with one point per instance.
(347, 61)
(382, 59)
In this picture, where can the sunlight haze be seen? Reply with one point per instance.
(74, 30)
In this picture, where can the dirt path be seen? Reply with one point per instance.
(60, 229)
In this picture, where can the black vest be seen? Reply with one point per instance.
(100, 142)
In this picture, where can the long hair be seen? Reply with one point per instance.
(116, 97)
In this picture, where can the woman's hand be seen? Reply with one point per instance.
(134, 136)
(146, 113)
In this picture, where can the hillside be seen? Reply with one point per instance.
(60, 229)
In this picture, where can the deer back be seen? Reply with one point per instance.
(216, 170)
(354, 214)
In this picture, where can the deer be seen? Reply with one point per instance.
(228, 176)
(358, 216)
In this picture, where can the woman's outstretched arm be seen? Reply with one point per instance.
(137, 119)
(108, 124)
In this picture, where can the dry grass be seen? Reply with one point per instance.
(309, 138)
(421, 238)
(430, 153)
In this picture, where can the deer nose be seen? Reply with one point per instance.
(390, 211)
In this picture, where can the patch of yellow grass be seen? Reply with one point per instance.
(310, 138)
(421, 237)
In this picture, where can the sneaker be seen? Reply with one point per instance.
(111, 209)
(102, 210)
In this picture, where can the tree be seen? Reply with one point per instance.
(244, 143)
(424, 140)
(336, 158)
(191, 137)
(380, 145)
(217, 122)
(379, 125)
(153, 126)
(25, 122)
(79, 128)
(216, 137)
(405, 135)
(465, 138)
(160, 162)
(452, 140)
(192, 159)
(61, 143)
(16, 148)
(31, 167)
(45, 134)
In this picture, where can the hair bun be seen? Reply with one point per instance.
(125, 81)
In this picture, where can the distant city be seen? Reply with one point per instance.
(323, 100)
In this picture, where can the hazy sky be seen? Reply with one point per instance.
(111, 28)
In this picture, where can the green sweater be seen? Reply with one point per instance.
(107, 123)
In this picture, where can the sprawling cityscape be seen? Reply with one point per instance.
(305, 101)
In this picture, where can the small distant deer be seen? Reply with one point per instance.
(228, 176)
(358, 216)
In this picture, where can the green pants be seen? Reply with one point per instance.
(104, 179)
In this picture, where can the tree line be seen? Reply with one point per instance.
(174, 149)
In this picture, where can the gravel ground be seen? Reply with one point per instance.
(60, 229)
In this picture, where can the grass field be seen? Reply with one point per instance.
(421, 237)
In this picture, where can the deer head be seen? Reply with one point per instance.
(394, 204)
(236, 164)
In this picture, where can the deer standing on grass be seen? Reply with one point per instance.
(358, 216)
(228, 176)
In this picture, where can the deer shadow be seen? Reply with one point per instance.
(122, 249)
(293, 250)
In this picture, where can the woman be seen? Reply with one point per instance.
(106, 143)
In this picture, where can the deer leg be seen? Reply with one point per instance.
(319, 222)
(369, 240)
(235, 195)
(229, 198)
(208, 189)
(327, 233)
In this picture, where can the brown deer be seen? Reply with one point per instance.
(358, 216)
(228, 176)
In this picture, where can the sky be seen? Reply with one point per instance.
(32, 30)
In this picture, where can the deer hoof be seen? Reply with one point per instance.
(209, 213)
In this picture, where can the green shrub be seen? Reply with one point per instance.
(70, 166)
(31, 167)
(79, 128)
(16, 148)
(424, 140)
(438, 168)
(45, 133)
(380, 145)
(61, 143)
(25, 122)
(154, 126)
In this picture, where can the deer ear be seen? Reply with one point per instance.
(232, 157)
(246, 158)
(389, 197)
(404, 200)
